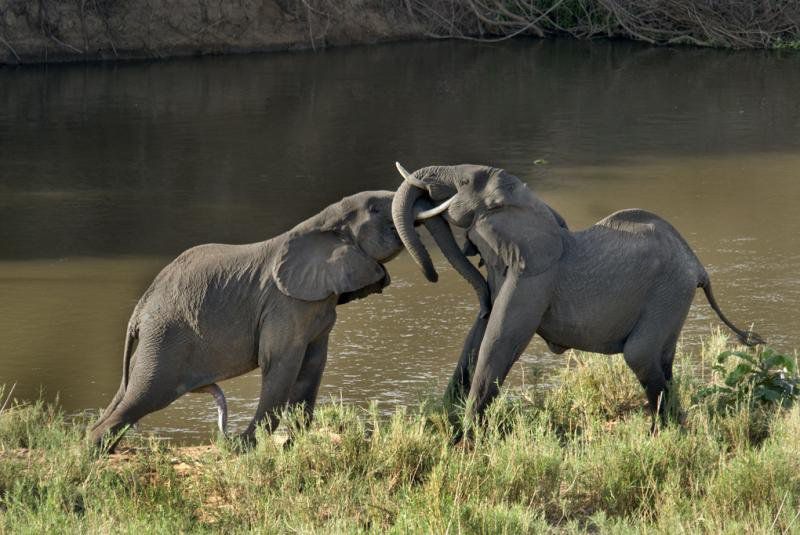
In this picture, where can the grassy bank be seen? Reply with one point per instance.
(578, 457)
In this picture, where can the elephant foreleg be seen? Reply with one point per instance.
(306, 387)
(516, 313)
(279, 372)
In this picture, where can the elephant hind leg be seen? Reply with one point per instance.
(134, 406)
(151, 387)
(646, 364)
(107, 433)
(105, 436)
(650, 348)
(110, 408)
(671, 402)
(668, 356)
(651, 360)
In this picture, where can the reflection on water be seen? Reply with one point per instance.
(108, 172)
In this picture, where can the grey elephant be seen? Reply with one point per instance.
(218, 311)
(624, 284)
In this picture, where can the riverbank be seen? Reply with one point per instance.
(576, 458)
(51, 31)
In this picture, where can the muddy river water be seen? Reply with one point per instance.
(107, 172)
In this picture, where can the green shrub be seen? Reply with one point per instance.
(761, 378)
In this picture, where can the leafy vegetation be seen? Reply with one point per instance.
(578, 457)
(729, 24)
(781, 44)
(762, 378)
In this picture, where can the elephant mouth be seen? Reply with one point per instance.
(392, 256)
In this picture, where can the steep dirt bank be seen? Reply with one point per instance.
(36, 31)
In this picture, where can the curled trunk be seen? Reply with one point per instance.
(407, 200)
(403, 216)
(443, 236)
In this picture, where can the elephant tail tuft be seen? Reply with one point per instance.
(748, 338)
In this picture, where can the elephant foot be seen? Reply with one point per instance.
(244, 442)
(464, 440)
(655, 427)
(104, 438)
(681, 418)
(289, 442)
(675, 416)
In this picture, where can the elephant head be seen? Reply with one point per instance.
(341, 250)
(469, 194)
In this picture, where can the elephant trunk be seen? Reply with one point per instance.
(403, 216)
(438, 181)
(443, 236)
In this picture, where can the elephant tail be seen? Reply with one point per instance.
(131, 335)
(748, 338)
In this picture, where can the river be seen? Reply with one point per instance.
(108, 171)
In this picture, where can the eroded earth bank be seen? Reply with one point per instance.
(79, 30)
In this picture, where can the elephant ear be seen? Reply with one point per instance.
(316, 265)
(526, 239)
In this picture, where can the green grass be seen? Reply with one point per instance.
(790, 44)
(576, 458)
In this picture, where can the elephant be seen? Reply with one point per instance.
(623, 285)
(219, 311)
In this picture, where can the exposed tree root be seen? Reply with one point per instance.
(716, 23)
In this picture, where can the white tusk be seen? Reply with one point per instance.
(427, 214)
(409, 177)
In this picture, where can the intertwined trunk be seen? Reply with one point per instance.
(403, 212)
(403, 215)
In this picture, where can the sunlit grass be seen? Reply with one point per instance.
(578, 457)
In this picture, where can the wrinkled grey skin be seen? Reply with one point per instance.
(623, 285)
(218, 311)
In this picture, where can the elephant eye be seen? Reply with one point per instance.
(374, 209)
(463, 181)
